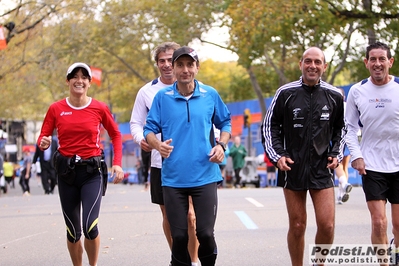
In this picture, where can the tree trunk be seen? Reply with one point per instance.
(370, 31)
(258, 90)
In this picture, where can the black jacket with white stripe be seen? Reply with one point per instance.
(306, 124)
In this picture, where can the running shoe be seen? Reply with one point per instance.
(345, 197)
(395, 259)
(394, 254)
(348, 189)
(339, 201)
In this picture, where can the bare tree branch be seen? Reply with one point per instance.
(218, 45)
(356, 14)
(345, 56)
(137, 74)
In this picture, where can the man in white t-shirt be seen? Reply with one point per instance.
(373, 107)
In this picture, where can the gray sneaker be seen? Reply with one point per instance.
(348, 189)
(345, 197)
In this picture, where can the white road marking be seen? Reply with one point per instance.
(22, 238)
(254, 202)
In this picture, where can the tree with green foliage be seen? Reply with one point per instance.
(118, 37)
(273, 35)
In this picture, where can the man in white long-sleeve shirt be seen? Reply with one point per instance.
(373, 106)
(163, 58)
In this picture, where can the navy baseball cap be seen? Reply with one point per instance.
(185, 50)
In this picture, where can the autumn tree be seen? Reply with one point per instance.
(119, 36)
(116, 36)
(273, 35)
(371, 21)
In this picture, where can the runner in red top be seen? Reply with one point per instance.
(78, 128)
(78, 120)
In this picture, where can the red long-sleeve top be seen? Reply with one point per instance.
(78, 129)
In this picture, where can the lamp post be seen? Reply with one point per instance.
(247, 124)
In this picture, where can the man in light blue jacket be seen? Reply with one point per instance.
(185, 114)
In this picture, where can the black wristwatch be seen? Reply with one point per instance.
(222, 144)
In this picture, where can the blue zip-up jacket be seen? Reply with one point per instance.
(189, 123)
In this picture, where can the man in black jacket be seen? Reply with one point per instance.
(48, 174)
(302, 136)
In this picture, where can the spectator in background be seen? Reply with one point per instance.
(238, 153)
(9, 174)
(139, 170)
(222, 165)
(35, 174)
(3, 183)
(47, 170)
(25, 171)
(145, 166)
(270, 172)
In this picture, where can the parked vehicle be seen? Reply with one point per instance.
(249, 174)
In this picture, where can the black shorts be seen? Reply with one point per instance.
(381, 186)
(156, 186)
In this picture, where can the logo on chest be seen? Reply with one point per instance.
(325, 113)
(297, 114)
(380, 103)
(65, 113)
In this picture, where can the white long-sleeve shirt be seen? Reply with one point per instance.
(375, 110)
(140, 110)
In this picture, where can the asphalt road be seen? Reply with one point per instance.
(250, 230)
